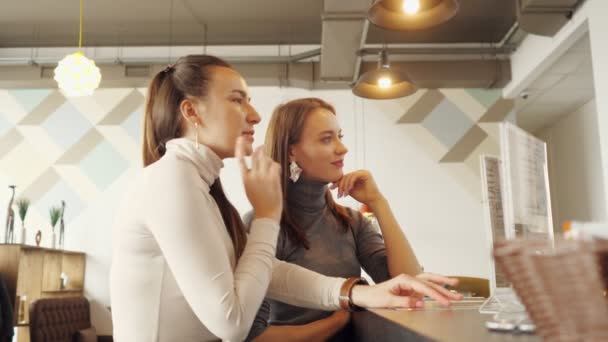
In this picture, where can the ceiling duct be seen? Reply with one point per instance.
(544, 17)
(344, 31)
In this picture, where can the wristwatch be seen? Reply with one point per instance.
(346, 302)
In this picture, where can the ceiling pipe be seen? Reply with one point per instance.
(127, 55)
(48, 56)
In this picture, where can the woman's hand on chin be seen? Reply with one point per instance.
(360, 185)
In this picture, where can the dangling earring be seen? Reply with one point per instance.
(196, 130)
(294, 171)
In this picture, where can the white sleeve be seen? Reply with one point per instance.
(183, 219)
(296, 285)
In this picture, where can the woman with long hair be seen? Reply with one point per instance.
(183, 267)
(305, 139)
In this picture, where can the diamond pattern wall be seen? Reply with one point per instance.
(55, 149)
(29, 98)
(455, 127)
(103, 165)
(447, 134)
(66, 125)
(5, 125)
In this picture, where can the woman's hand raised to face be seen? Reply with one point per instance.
(262, 182)
(360, 185)
(403, 291)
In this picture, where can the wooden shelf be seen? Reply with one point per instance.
(35, 272)
(41, 248)
(63, 291)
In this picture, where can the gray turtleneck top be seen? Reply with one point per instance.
(332, 252)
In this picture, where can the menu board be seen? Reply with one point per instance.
(526, 197)
(493, 208)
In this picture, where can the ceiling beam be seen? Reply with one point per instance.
(344, 30)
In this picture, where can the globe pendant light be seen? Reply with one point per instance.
(76, 75)
(404, 15)
(384, 83)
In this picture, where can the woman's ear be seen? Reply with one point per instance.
(291, 153)
(192, 111)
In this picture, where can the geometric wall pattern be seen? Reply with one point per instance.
(455, 127)
(54, 148)
(453, 118)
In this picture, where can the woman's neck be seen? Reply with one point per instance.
(307, 195)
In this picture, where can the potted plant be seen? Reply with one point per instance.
(54, 214)
(23, 204)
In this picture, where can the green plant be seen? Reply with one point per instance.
(54, 213)
(23, 204)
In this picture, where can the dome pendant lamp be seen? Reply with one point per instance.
(384, 83)
(405, 15)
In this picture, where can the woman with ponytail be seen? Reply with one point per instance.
(183, 266)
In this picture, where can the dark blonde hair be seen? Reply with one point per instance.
(284, 130)
(189, 77)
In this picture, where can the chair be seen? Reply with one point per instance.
(472, 287)
(59, 319)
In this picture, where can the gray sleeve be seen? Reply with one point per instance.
(371, 251)
(260, 323)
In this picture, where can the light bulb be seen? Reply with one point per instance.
(411, 6)
(385, 82)
(77, 75)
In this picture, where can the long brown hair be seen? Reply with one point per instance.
(284, 130)
(189, 77)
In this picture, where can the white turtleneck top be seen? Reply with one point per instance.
(174, 276)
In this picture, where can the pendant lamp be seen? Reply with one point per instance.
(384, 83)
(76, 75)
(405, 15)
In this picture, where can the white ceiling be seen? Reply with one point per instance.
(562, 89)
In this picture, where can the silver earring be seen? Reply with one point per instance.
(294, 171)
(196, 130)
